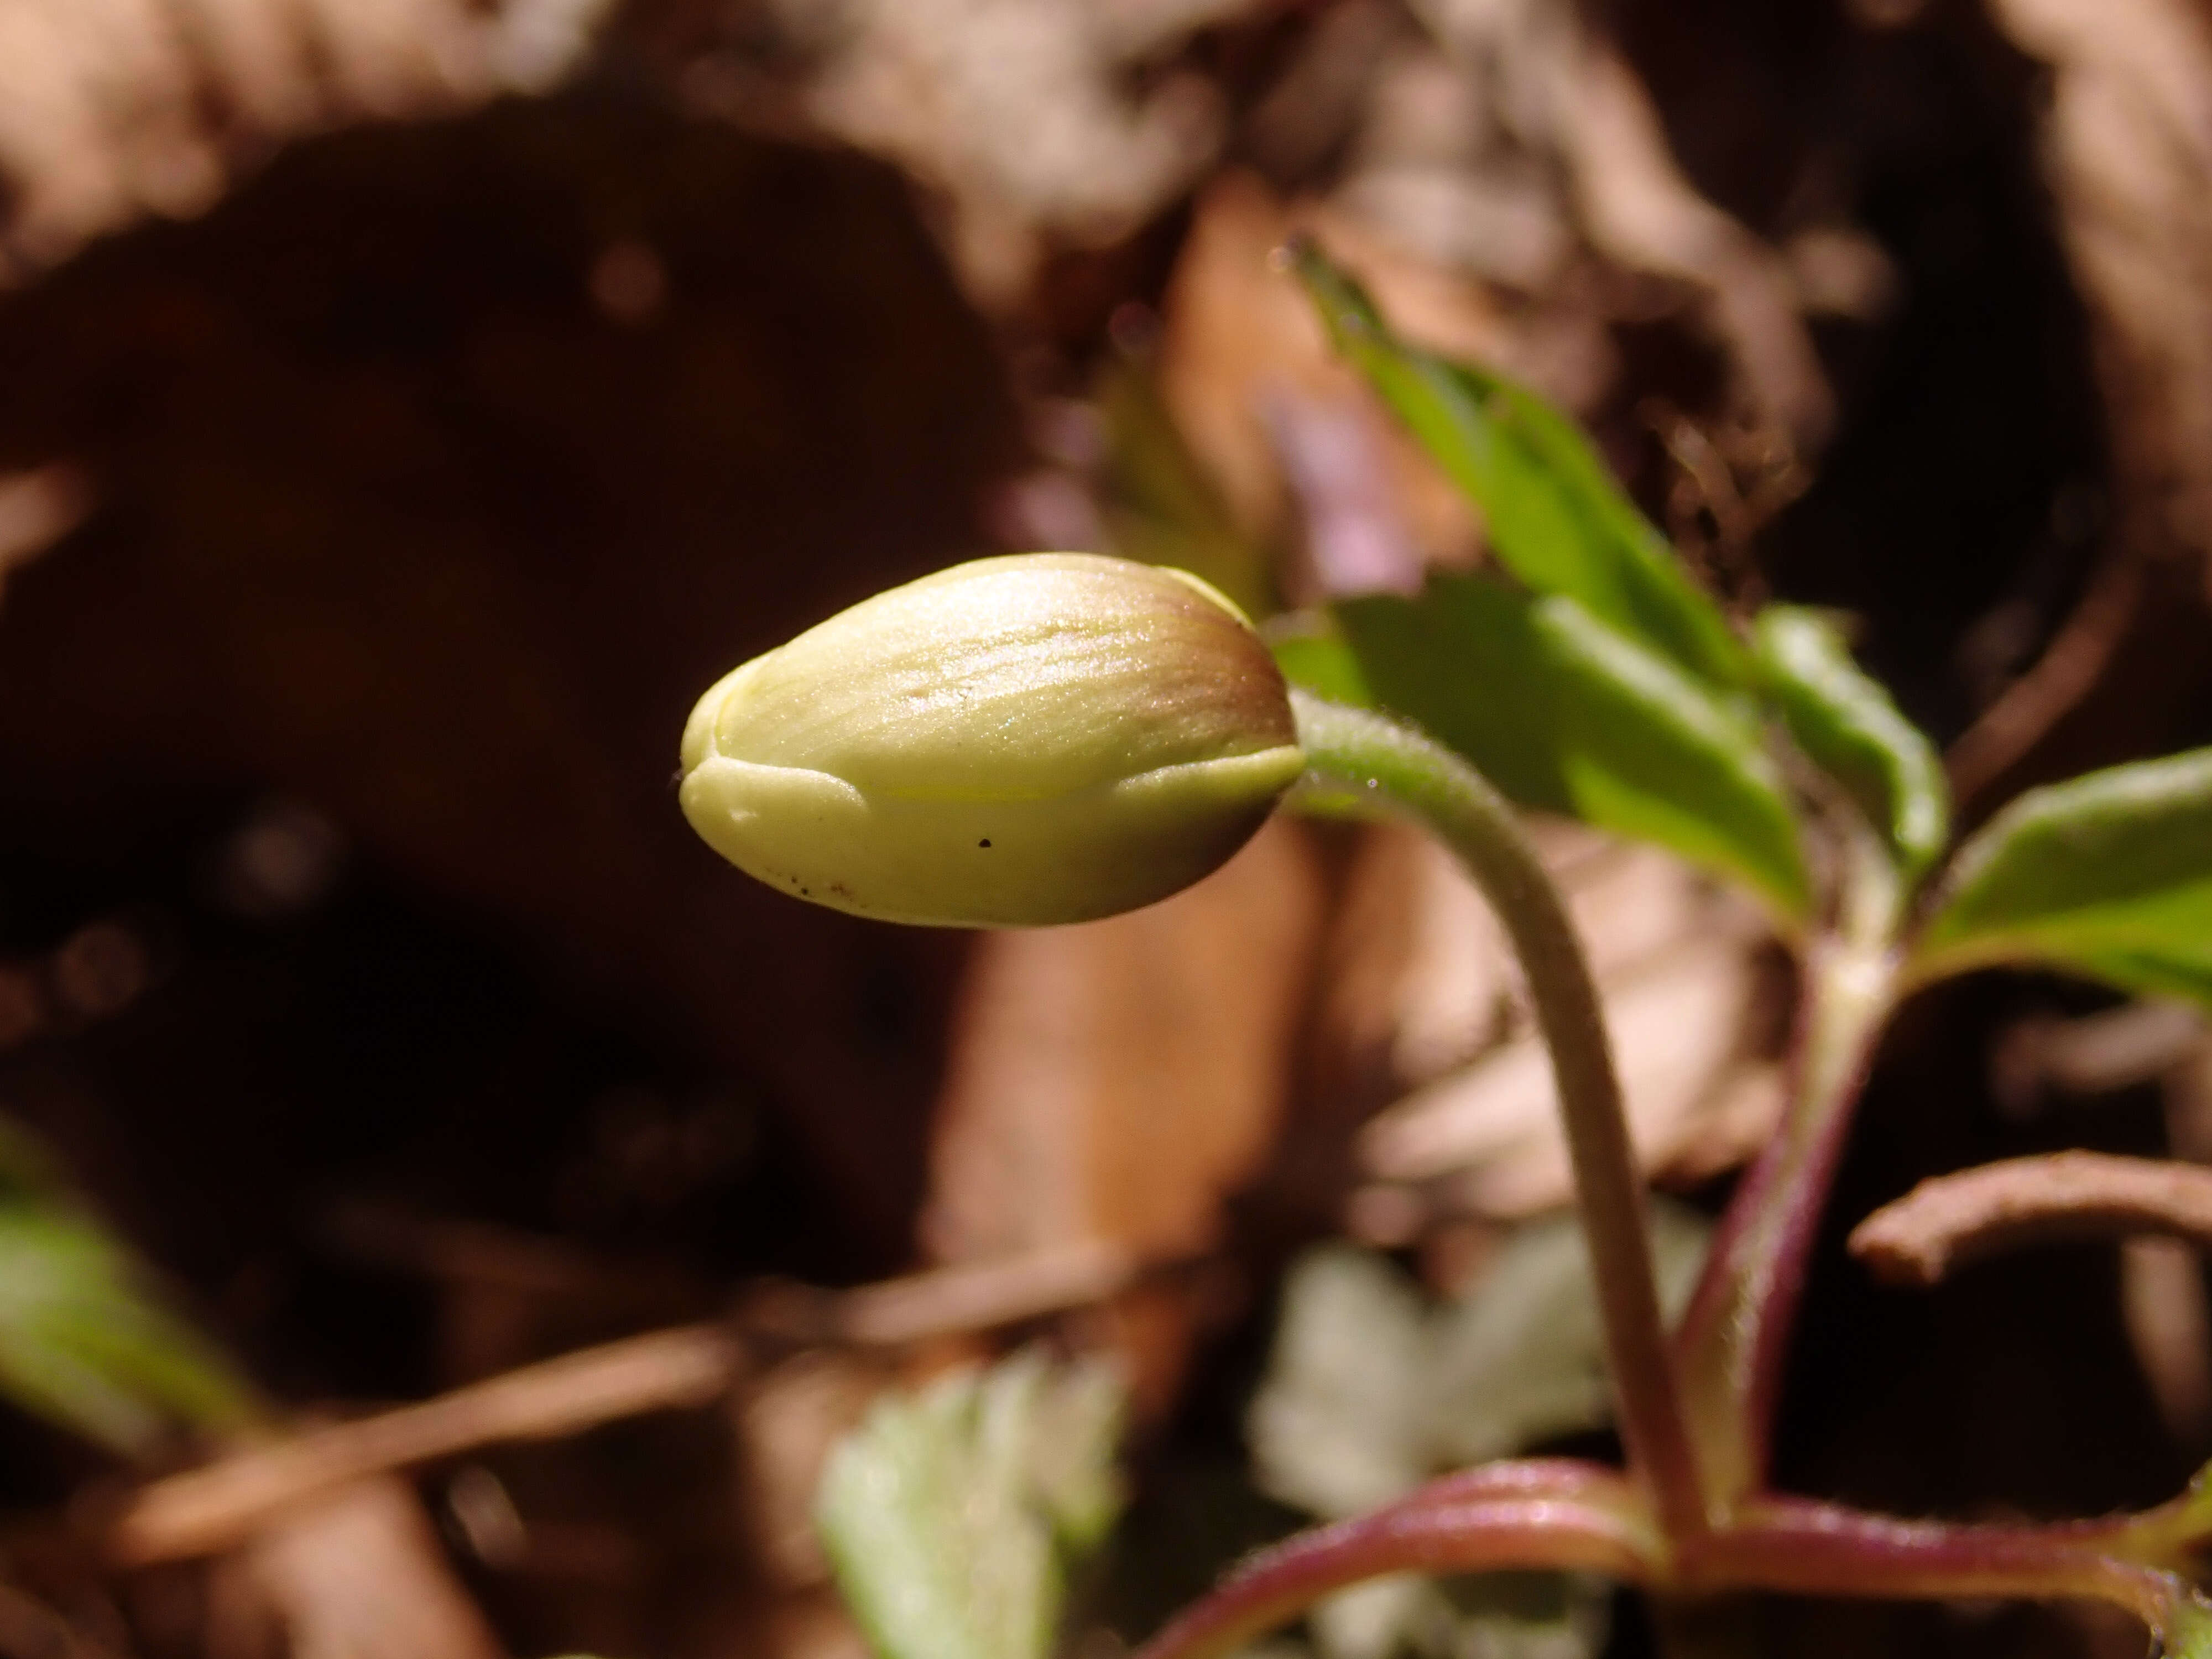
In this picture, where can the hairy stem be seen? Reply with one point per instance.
(1560, 1513)
(1735, 1335)
(1395, 765)
(1798, 1546)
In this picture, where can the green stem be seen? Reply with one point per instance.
(1392, 764)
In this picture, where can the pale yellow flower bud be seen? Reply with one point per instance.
(1017, 742)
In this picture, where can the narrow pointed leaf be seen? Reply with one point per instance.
(1846, 724)
(2109, 875)
(1556, 518)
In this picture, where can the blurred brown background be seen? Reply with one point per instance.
(408, 406)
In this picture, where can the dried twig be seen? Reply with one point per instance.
(950, 1300)
(2061, 677)
(206, 1510)
(2095, 1054)
(210, 1508)
(1957, 1218)
(476, 1254)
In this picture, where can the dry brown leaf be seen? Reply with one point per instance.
(1116, 1079)
(2127, 156)
(1563, 94)
(109, 108)
(815, 1626)
(1676, 963)
(1238, 334)
(1018, 111)
(788, 1423)
(2128, 151)
(1421, 973)
(1677, 1034)
(1119, 1079)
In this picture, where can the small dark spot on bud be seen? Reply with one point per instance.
(986, 841)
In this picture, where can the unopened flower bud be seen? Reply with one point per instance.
(1017, 742)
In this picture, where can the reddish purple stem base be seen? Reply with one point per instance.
(1560, 1513)
(1692, 1519)
(1549, 1513)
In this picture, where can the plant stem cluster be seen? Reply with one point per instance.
(1690, 1518)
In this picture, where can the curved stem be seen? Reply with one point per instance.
(1541, 1513)
(1558, 1513)
(1392, 764)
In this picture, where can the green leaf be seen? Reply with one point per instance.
(1311, 652)
(81, 1342)
(1651, 753)
(1565, 714)
(1467, 661)
(1556, 518)
(953, 1515)
(2110, 875)
(1845, 722)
